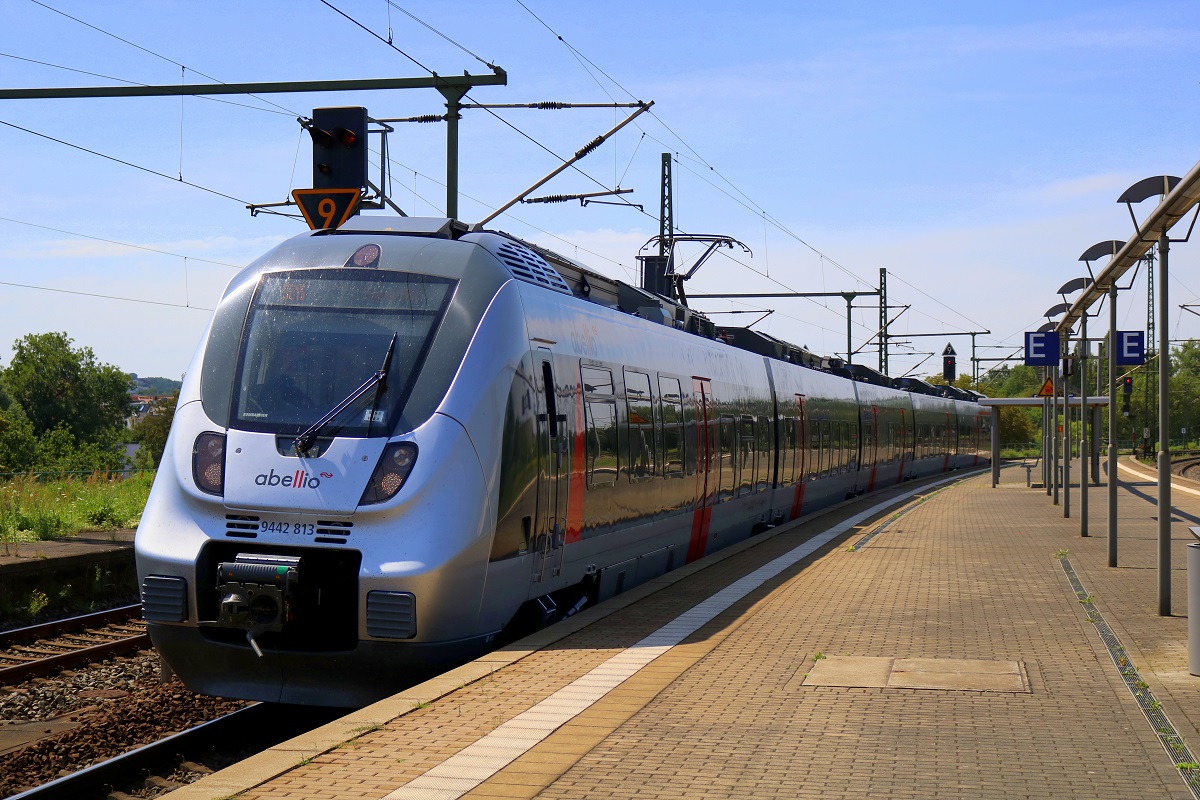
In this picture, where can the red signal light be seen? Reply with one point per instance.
(347, 137)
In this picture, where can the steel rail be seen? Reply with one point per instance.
(89, 779)
(68, 625)
(72, 658)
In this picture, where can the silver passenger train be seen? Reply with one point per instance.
(399, 439)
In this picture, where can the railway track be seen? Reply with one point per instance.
(1187, 467)
(40, 650)
(215, 743)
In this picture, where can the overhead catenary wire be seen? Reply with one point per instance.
(150, 52)
(435, 31)
(123, 161)
(104, 296)
(746, 202)
(283, 113)
(121, 244)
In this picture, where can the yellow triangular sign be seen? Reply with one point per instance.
(326, 208)
(1047, 389)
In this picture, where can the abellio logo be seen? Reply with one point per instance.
(300, 480)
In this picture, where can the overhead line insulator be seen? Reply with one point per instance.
(549, 105)
(551, 198)
(589, 147)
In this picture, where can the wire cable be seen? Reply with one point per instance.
(151, 52)
(104, 296)
(388, 42)
(126, 163)
(121, 244)
(138, 83)
(429, 27)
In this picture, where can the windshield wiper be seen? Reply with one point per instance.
(377, 381)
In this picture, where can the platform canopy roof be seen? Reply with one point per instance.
(1180, 200)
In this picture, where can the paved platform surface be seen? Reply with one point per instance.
(86, 543)
(937, 649)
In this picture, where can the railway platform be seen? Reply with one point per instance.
(961, 641)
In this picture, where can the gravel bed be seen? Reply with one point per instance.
(119, 705)
(70, 690)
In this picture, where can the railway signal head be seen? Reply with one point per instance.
(948, 369)
(339, 147)
(1127, 385)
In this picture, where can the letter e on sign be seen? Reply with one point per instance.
(1041, 348)
(1131, 347)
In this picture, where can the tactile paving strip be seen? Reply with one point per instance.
(864, 541)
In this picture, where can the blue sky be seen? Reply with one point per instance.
(974, 150)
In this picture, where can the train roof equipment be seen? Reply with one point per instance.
(543, 267)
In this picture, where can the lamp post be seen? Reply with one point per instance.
(1160, 185)
(1051, 312)
(1070, 287)
(1110, 248)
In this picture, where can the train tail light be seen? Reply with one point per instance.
(208, 463)
(391, 472)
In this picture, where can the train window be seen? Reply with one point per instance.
(814, 449)
(311, 337)
(844, 446)
(801, 434)
(726, 462)
(639, 407)
(826, 454)
(745, 455)
(787, 449)
(764, 455)
(671, 402)
(851, 446)
(600, 407)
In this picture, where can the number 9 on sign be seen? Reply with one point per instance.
(326, 208)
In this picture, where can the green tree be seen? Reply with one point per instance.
(151, 432)
(60, 386)
(18, 442)
(1016, 426)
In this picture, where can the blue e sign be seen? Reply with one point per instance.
(1041, 348)
(1131, 347)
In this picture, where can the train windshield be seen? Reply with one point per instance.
(314, 336)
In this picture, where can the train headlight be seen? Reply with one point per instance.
(208, 463)
(391, 472)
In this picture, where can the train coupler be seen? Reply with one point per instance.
(257, 593)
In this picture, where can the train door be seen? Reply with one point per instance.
(948, 441)
(871, 446)
(550, 521)
(705, 464)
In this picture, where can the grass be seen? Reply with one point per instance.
(34, 510)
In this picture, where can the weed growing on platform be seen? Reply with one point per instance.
(1187, 764)
(851, 548)
(818, 656)
(1060, 554)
